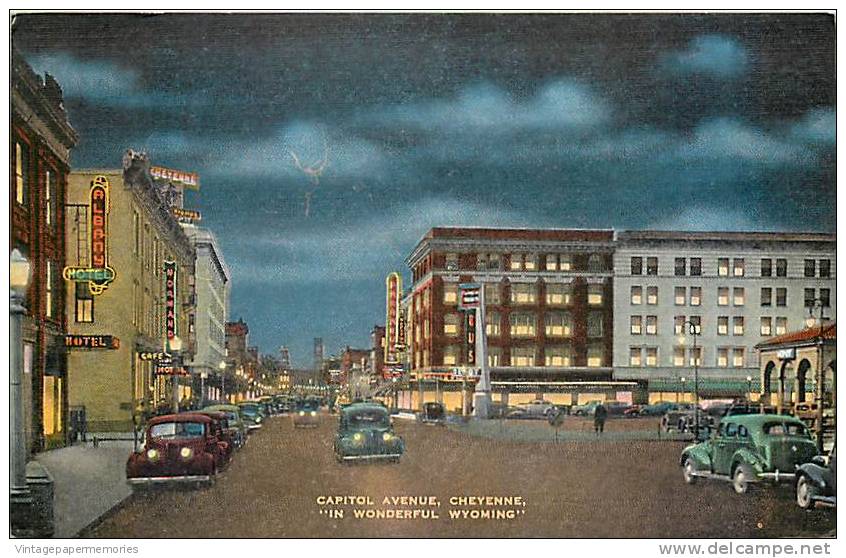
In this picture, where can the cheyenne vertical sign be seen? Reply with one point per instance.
(393, 285)
(170, 299)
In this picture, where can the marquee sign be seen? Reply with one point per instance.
(393, 285)
(98, 274)
(185, 215)
(170, 370)
(156, 356)
(469, 296)
(92, 342)
(170, 299)
(188, 179)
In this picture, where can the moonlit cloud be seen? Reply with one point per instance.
(712, 55)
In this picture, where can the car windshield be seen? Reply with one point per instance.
(249, 410)
(172, 430)
(785, 429)
(232, 416)
(308, 406)
(368, 418)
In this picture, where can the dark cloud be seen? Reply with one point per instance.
(687, 121)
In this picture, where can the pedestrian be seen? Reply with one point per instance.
(600, 413)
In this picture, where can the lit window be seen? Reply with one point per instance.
(492, 321)
(695, 296)
(452, 262)
(523, 356)
(678, 356)
(523, 293)
(634, 356)
(492, 294)
(49, 195)
(739, 267)
(722, 296)
(695, 356)
(451, 324)
(678, 325)
(739, 296)
(737, 357)
(651, 325)
(652, 295)
(450, 293)
(48, 290)
(551, 262)
(696, 324)
(557, 324)
(738, 325)
(722, 325)
(21, 173)
(595, 295)
(766, 326)
(637, 295)
(781, 325)
(522, 325)
(451, 355)
(680, 296)
(595, 355)
(722, 357)
(565, 262)
(84, 304)
(652, 356)
(637, 325)
(494, 356)
(557, 294)
(723, 267)
(557, 356)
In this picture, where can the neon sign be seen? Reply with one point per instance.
(170, 299)
(393, 285)
(97, 274)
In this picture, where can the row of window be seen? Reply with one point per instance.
(737, 296)
(521, 356)
(688, 356)
(649, 325)
(556, 324)
(729, 267)
(557, 294)
(527, 261)
(22, 174)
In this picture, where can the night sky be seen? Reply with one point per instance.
(404, 122)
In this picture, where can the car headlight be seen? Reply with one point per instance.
(258, 420)
(314, 413)
(302, 413)
(358, 437)
(387, 436)
(152, 454)
(186, 453)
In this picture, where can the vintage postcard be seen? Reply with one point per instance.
(424, 275)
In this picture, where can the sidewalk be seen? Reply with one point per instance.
(573, 429)
(88, 482)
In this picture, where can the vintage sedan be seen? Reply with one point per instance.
(746, 449)
(235, 424)
(178, 449)
(252, 413)
(365, 433)
(586, 409)
(816, 482)
(305, 414)
(432, 413)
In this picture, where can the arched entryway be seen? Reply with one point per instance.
(767, 382)
(801, 379)
(785, 385)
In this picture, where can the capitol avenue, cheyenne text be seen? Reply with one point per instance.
(460, 507)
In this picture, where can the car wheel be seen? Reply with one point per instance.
(740, 480)
(689, 471)
(805, 492)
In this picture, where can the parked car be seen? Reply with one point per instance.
(365, 433)
(283, 404)
(585, 410)
(750, 448)
(432, 413)
(656, 409)
(677, 416)
(252, 414)
(817, 481)
(220, 426)
(306, 414)
(616, 408)
(235, 424)
(633, 411)
(183, 448)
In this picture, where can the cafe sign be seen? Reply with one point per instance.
(97, 274)
(92, 342)
(156, 356)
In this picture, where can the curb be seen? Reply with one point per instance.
(85, 532)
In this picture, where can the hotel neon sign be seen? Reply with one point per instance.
(98, 274)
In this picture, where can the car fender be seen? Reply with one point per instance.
(813, 473)
(699, 454)
(747, 457)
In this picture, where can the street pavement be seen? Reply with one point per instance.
(87, 483)
(576, 488)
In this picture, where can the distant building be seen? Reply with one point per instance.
(284, 358)
(41, 139)
(318, 354)
(377, 351)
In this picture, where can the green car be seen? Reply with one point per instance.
(365, 434)
(750, 448)
(252, 413)
(237, 427)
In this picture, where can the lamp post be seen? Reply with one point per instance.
(19, 495)
(694, 330)
(175, 346)
(749, 388)
(820, 379)
(683, 390)
(203, 376)
(222, 367)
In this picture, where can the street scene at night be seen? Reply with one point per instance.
(423, 275)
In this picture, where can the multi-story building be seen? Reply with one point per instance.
(118, 332)
(548, 297)
(737, 288)
(39, 155)
(377, 350)
(213, 284)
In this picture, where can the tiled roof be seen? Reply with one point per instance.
(828, 331)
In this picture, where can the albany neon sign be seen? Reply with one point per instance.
(98, 274)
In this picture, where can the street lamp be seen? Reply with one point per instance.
(175, 346)
(222, 367)
(19, 496)
(749, 388)
(820, 379)
(684, 391)
(203, 376)
(695, 330)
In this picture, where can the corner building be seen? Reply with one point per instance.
(117, 383)
(741, 288)
(549, 300)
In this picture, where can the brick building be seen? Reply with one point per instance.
(548, 302)
(39, 163)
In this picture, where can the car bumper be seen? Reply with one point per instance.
(168, 480)
(777, 476)
(371, 457)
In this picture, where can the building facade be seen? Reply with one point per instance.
(117, 336)
(738, 288)
(213, 285)
(39, 157)
(548, 297)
